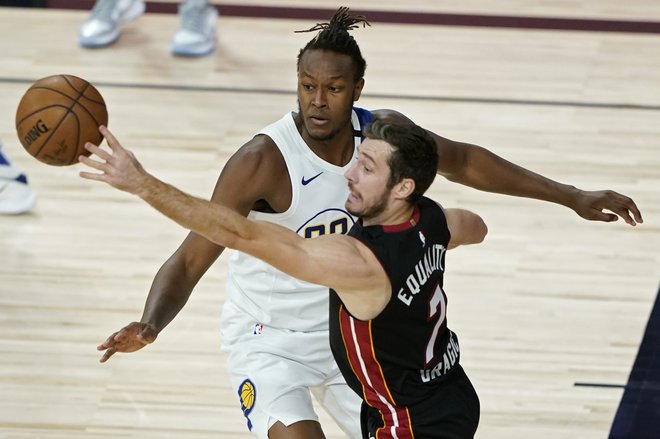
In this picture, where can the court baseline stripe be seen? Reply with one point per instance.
(455, 99)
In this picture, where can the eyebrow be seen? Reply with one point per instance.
(331, 78)
(368, 157)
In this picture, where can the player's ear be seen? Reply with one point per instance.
(357, 91)
(404, 188)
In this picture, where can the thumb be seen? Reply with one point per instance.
(604, 216)
(610, 217)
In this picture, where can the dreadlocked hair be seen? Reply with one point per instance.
(334, 37)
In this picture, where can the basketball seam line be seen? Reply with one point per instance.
(66, 78)
(80, 93)
(69, 97)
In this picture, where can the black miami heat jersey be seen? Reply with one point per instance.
(402, 357)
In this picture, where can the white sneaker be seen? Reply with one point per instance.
(196, 36)
(15, 197)
(15, 194)
(102, 27)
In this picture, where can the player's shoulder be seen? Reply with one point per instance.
(390, 116)
(258, 149)
(257, 157)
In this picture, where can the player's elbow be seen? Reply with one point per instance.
(480, 230)
(472, 230)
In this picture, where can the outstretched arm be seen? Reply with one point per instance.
(479, 168)
(354, 267)
(120, 169)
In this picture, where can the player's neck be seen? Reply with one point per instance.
(395, 214)
(337, 150)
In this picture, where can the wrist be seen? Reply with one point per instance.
(151, 325)
(146, 186)
(569, 196)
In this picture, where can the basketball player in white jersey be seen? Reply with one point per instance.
(275, 328)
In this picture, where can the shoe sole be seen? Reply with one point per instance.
(191, 53)
(98, 41)
(196, 51)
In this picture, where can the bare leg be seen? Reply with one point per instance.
(297, 430)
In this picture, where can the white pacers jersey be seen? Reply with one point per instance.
(319, 191)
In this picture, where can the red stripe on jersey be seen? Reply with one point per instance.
(358, 342)
(412, 222)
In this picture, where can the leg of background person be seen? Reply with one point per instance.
(299, 430)
(196, 35)
(103, 26)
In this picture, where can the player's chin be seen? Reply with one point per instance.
(353, 207)
(320, 134)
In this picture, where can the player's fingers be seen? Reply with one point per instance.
(625, 207)
(111, 340)
(624, 213)
(92, 176)
(107, 354)
(599, 215)
(95, 165)
(101, 166)
(610, 217)
(100, 153)
(619, 205)
(628, 206)
(113, 143)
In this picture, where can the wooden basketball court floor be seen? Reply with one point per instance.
(548, 301)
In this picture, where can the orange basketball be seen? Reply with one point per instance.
(57, 115)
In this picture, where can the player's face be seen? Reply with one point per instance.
(367, 178)
(326, 92)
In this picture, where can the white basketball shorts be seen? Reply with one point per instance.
(275, 371)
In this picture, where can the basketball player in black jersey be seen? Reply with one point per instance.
(388, 322)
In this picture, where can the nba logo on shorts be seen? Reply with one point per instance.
(258, 329)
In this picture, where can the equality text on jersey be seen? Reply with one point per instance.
(424, 269)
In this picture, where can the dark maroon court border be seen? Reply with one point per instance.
(428, 18)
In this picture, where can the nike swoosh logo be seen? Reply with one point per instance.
(309, 180)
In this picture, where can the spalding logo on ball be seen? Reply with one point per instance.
(57, 116)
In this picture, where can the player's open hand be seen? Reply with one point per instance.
(607, 206)
(130, 338)
(119, 167)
